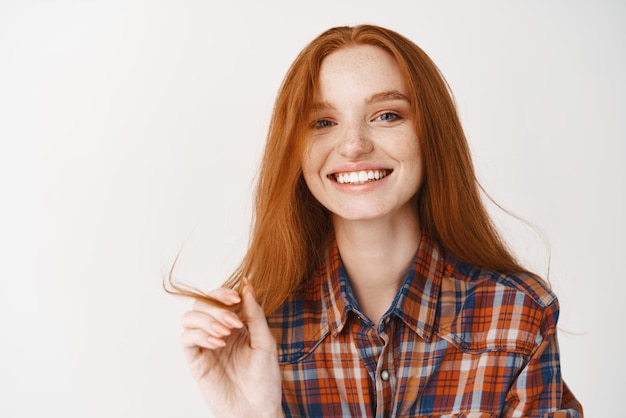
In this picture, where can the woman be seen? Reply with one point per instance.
(375, 283)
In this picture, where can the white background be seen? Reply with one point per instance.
(132, 129)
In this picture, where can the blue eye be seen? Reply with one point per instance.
(389, 116)
(323, 123)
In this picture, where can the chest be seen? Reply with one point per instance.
(392, 372)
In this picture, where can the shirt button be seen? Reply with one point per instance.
(384, 375)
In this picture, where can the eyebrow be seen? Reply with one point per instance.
(387, 96)
(384, 96)
(321, 106)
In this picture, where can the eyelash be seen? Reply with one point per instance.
(325, 123)
(395, 116)
(322, 123)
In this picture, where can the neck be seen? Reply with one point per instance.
(377, 255)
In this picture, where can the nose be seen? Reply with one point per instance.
(354, 141)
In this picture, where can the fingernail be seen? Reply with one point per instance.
(216, 341)
(232, 320)
(220, 329)
(233, 297)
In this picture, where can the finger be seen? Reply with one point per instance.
(222, 298)
(209, 324)
(196, 338)
(254, 316)
(225, 295)
(228, 300)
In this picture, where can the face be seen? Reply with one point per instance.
(362, 158)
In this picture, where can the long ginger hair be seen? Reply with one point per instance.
(291, 229)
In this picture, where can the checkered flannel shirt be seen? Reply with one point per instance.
(457, 341)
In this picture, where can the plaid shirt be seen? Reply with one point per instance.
(456, 342)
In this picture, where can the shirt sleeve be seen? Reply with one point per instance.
(539, 390)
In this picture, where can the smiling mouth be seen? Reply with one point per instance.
(360, 177)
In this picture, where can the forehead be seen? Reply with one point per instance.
(364, 66)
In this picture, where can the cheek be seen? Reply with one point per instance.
(406, 150)
(414, 152)
(307, 169)
(311, 177)
(414, 161)
(312, 167)
(309, 180)
(312, 164)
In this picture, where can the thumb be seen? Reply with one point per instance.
(260, 336)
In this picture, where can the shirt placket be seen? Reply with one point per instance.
(385, 376)
(377, 357)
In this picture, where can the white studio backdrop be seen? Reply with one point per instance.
(132, 129)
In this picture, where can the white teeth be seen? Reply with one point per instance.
(360, 177)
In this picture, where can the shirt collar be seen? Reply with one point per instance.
(415, 303)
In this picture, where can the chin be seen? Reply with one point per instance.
(359, 215)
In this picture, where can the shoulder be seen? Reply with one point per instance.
(484, 310)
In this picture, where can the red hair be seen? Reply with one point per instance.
(291, 229)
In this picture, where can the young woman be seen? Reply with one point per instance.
(375, 283)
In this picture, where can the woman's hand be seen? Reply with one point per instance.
(235, 366)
